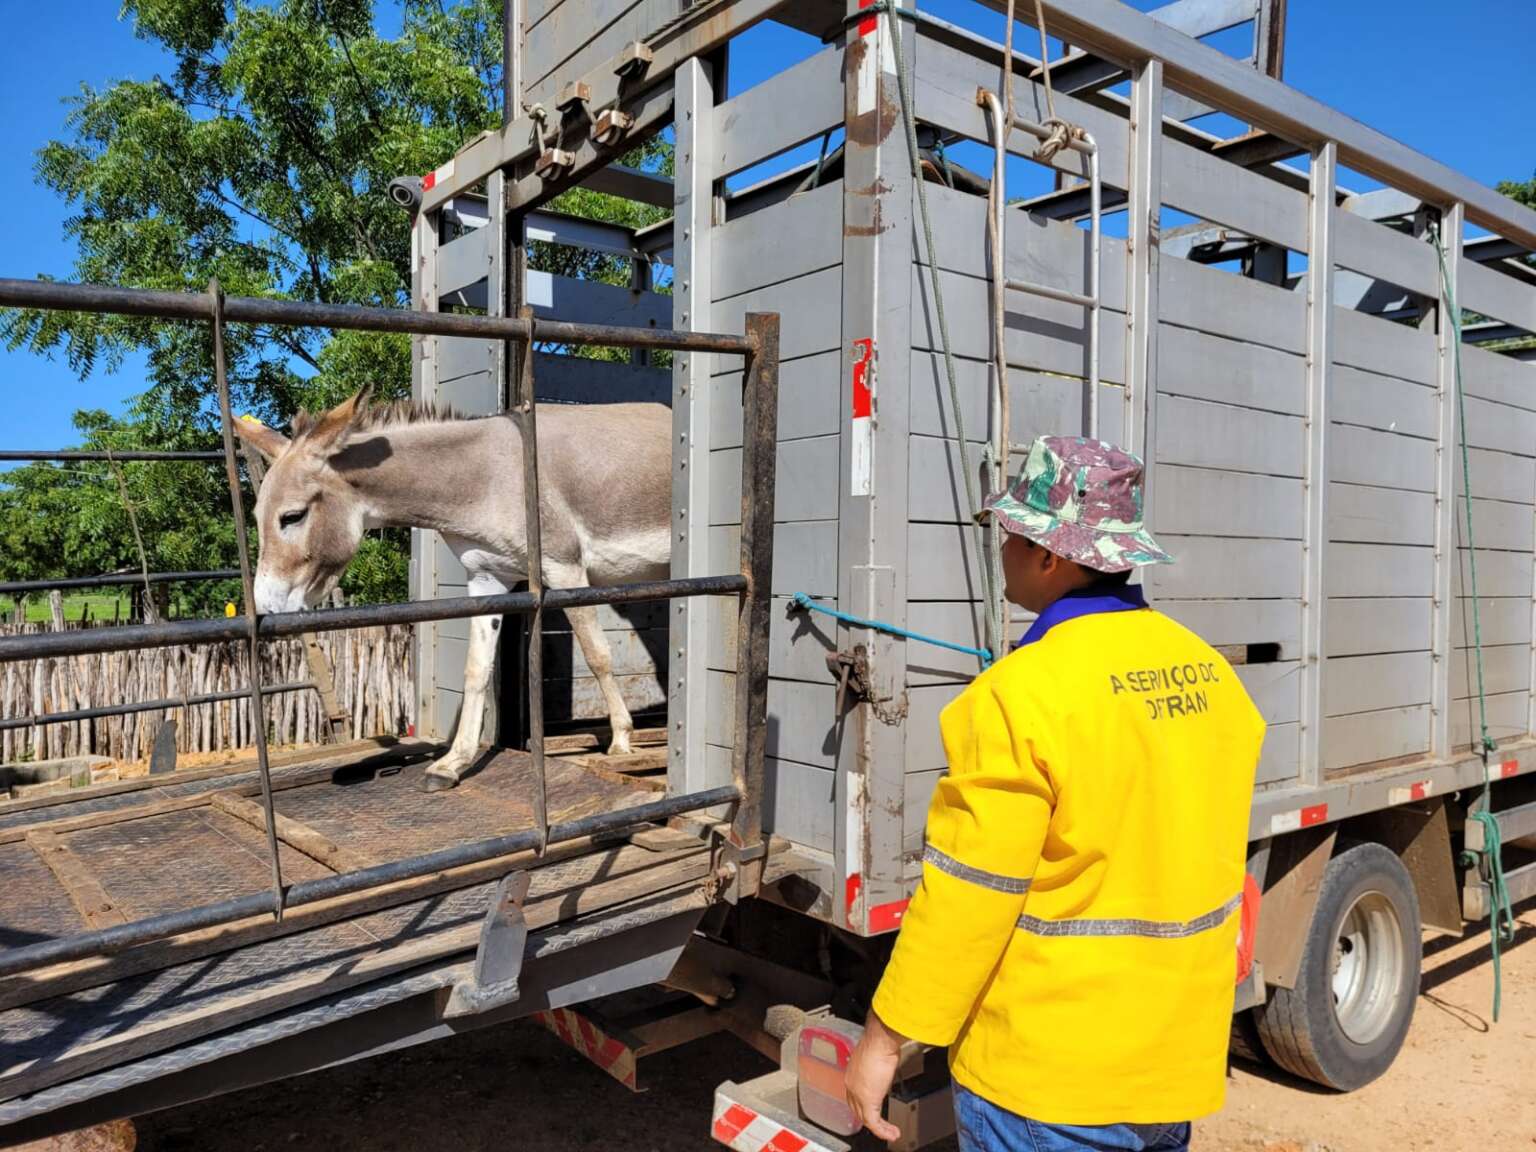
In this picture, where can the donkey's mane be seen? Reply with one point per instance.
(393, 414)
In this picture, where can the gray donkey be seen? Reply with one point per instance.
(605, 509)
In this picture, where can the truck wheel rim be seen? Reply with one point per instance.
(1367, 967)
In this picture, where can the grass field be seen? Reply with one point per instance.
(74, 606)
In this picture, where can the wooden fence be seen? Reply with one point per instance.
(373, 683)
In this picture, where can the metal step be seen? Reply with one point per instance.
(1474, 897)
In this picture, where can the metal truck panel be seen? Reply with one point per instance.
(1204, 367)
(1210, 188)
(1225, 304)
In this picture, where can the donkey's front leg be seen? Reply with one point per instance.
(484, 632)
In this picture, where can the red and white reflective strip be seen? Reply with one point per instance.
(863, 388)
(1298, 818)
(613, 1056)
(1418, 790)
(866, 25)
(431, 178)
(739, 1127)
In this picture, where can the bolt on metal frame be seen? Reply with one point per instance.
(759, 347)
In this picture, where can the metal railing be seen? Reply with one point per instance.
(759, 345)
(113, 580)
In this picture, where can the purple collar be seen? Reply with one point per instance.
(1085, 602)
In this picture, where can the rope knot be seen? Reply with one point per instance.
(1062, 135)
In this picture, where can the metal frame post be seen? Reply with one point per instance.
(1145, 197)
(423, 569)
(692, 398)
(526, 417)
(759, 451)
(879, 219)
(1447, 475)
(247, 586)
(1314, 588)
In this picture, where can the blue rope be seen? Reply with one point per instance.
(804, 601)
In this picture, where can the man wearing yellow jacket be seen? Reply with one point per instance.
(1073, 940)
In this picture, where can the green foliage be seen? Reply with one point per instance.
(262, 160)
(1522, 190)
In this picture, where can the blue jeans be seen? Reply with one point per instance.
(984, 1127)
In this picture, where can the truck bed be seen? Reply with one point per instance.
(103, 859)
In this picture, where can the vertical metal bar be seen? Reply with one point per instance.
(881, 215)
(1001, 407)
(693, 238)
(639, 281)
(248, 590)
(1314, 590)
(511, 60)
(526, 416)
(759, 449)
(1447, 482)
(1095, 231)
(424, 551)
(1145, 181)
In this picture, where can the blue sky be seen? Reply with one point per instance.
(1457, 95)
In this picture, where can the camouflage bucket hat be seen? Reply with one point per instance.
(1081, 499)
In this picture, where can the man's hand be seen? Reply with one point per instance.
(869, 1076)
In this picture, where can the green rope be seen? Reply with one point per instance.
(1501, 917)
(892, 12)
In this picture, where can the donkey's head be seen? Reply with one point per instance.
(310, 519)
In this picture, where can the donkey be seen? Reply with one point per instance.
(605, 509)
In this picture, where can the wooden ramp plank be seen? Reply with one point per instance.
(83, 886)
(292, 833)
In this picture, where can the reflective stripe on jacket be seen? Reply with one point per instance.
(1073, 937)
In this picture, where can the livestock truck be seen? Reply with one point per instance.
(1317, 338)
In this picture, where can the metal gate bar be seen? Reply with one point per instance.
(11, 454)
(48, 294)
(526, 416)
(113, 579)
(131, 637)
(47, 718)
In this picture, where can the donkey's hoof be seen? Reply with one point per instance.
(437, 782)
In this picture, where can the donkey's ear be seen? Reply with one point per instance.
(331, 428)
(268, 441)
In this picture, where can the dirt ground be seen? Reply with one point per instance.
(1460, 1083)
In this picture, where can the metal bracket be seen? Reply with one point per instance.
(554, 161)
(855, 685)
(611, 125)
(633, 61)
(499, 959)
(574, 95)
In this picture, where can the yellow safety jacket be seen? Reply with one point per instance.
(1073, 939)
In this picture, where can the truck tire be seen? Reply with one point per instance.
(1245, 1043)
(1344, 1022)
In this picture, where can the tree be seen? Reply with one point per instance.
(262, 160)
